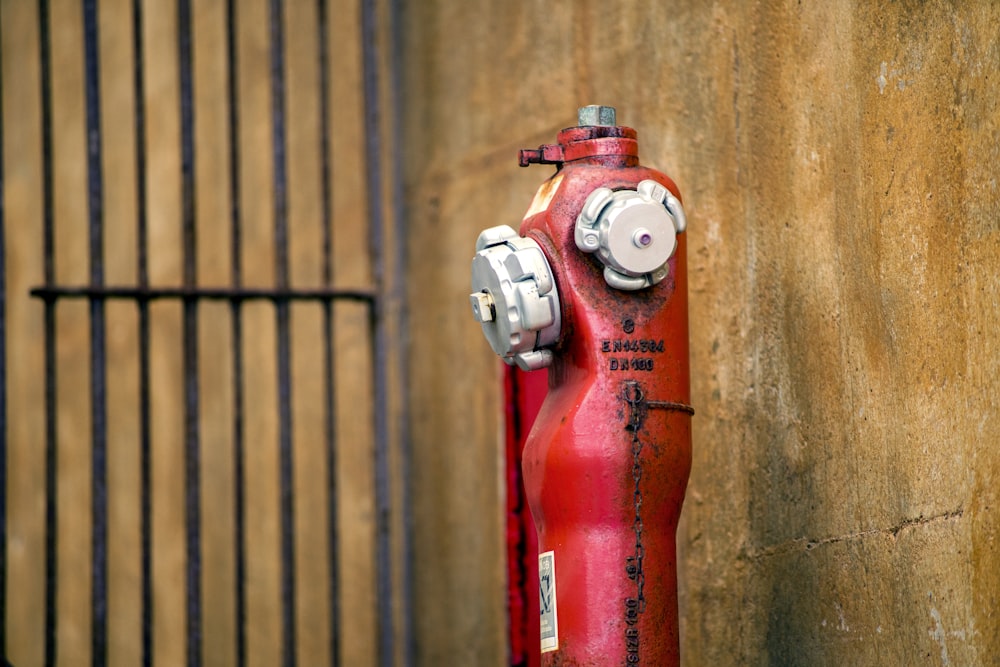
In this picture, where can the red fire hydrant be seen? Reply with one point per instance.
(595, 289)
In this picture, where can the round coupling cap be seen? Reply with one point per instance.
(632, 232)
(514, 297)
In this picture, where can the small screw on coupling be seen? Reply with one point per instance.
(642, 238)
(483, 308)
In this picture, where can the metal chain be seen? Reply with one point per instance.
(639, 575)
(638, 409)
(633, 564)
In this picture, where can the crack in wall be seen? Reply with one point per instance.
(808, 544)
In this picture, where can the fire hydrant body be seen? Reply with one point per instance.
(607, 462)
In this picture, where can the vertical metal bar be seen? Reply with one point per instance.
(3, 392)
(374, 187)
(398, 291)
(283, 326)
(98, 367)
(329, 392)
(236, 319)
(142, 274)
(192, 476)
(48, 259)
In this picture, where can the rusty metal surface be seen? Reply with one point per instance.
(605, 474)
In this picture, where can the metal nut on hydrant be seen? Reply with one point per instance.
(595, 287)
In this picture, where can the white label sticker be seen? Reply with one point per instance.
(547, 600)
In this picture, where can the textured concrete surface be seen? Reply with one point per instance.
(839, 168)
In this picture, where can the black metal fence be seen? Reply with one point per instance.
(191, 296)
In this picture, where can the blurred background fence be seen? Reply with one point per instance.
(199, 424)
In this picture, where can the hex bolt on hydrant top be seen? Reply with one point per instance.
(594, 287)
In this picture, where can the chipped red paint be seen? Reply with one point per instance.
(607, 462)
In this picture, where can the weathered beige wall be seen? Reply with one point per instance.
(839, 167)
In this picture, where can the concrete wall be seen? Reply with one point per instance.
(839, 168)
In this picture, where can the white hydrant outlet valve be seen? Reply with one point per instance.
(632, 232)
(514, 297)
